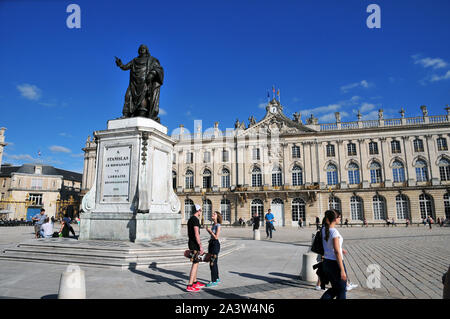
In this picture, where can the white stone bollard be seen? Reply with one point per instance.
(308, 273)
(72, 284)
(256, 234)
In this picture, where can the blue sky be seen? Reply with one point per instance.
(58, 85)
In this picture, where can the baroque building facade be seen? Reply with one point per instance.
(374, 170)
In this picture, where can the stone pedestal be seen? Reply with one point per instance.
(256, 234)
(132, 197)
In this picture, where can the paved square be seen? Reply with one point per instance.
(412, 261)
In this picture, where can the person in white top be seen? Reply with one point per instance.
(333, 263)
(47, 229)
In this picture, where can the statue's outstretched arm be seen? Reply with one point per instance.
(123, 67)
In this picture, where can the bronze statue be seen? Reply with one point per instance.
(146, 78)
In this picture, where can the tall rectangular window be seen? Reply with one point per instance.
(295, 151)
(225, 156)
(418, 145)
(373, 148)
(256, 155)
(351, 148)
(330, 150)
(395, 147)
(442, 144)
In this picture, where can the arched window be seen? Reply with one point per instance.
(256, 177)
(225, 178)
(189, 179)
(298, 209)
(421, 171)
(297, 176)
(207, 209)
(444, 169)
(402, 204)
(353, 173)
(206, 178)
(257, 207)
(375, 173)
(398, 171)
(447, 206)
(225, 209)
(174, 180)
(334, 203)
(332, 175)
(356, 208)
(276, 176)
(426, 206)
(379, 208)
(189, 208)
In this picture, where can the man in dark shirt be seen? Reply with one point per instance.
(194, 243)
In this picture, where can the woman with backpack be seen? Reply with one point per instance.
(333, 263)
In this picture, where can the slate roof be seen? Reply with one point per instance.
(7, 170)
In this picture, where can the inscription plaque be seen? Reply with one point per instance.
(116, 174)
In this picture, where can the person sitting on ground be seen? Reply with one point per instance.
(67, 221)
(47, 229)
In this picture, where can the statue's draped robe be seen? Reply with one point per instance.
(142, 96)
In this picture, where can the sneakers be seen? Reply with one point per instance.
(211, 284)
(350, 286)
(198, 285)
(218, 280)
(318, 288)
(192, 289)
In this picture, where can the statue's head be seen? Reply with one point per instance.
(143, 50)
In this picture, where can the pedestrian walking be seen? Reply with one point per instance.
(346, 222)
(300, 222)
(194, 243)
(407, 222)
(429, 220)
(317, 222)
(39, 219)
(214, 248)
(269, 223)
(333, 264)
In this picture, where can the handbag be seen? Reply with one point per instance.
(317, 245)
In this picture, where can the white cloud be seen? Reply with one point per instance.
(322, 109)
(64, 134)
(28, 91)
(79, 155)
(162, 111)
(262, 105)
(348, 87)
(59, 149)
(365, 107)
(435, 63)
(20, 157)
(435, 77)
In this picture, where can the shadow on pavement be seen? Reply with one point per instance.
(54, 296)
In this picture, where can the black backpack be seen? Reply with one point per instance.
(317, 245)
